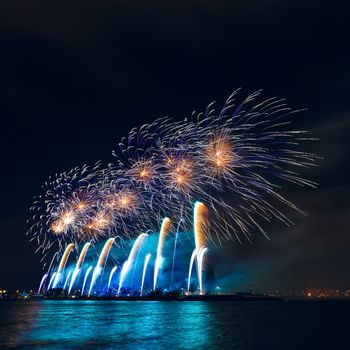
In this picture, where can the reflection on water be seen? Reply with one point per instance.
(182, 325)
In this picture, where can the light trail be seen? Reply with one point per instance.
(147, 257)
(128, 263)
(78, 265)
(163, 232)
(85, 279)
(51, 280)
(62, 264)
(193, 256)
(100, 263)
(114, 269)
(67, 279)
(42, 282)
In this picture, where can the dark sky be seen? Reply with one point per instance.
(76, 76)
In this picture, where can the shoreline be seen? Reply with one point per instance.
(211, 298)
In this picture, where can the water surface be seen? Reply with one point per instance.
(173, 325)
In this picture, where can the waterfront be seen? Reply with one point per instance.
(87, 324)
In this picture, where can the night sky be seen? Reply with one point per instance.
(76, 76)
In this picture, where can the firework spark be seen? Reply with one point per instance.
(235, 160)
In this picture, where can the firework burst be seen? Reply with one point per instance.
(235, 160)
(65, 206)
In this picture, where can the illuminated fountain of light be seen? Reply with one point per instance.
(200, 256)
(52, 260)
(67, 279)
(163, 231)
(148, 256)
(134, 269)
(129, 262)
(174, 253)
(62, 264)
(100, 263)
(85, 279)
(193, 256)
(42, 282)
(200, 220)
(114, 269)
(51, 280)
(78, 265)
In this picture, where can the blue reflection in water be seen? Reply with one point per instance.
(173, 325)
(122, 324)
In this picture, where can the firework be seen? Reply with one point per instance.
(85, 278)
(114, 269)
(100, 262)
(147, 257)
(42, 282)
(64, 208)
(79, 265)
(63, 263)
(193, 257)
(163, 231)
(235, 160)
(131, 259)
